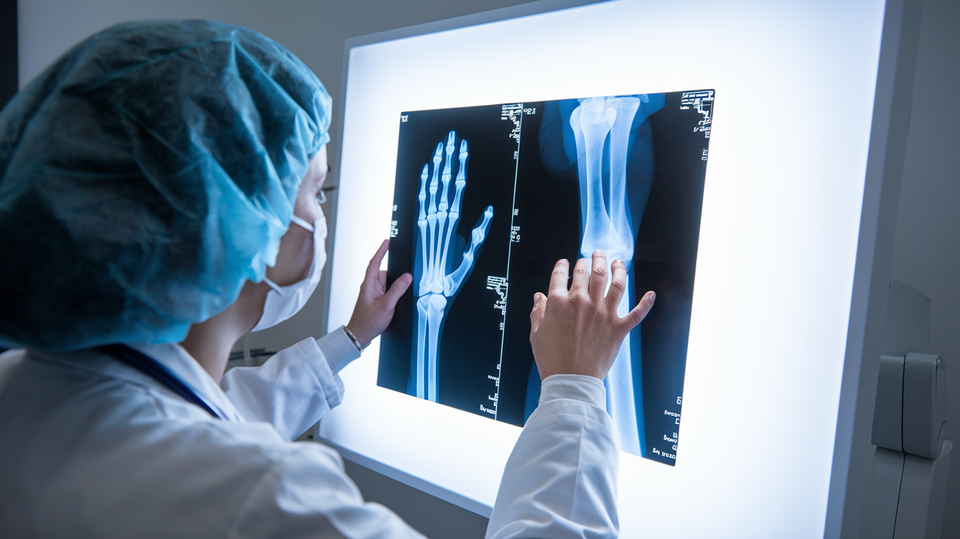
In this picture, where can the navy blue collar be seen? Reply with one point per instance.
(152, 368)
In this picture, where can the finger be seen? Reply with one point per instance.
(477, 237)
(424, 176)
(558, 279)
(618, 283)
(639, 312)
(536, 315)
(598, 274)
(581, 277)
(396, 290)
(434, 184)
(447, 173)
(373, 268)
(422, 220)
(479, 232)
(373, 289)
(459, 184)
(381, 281)
(462, 171)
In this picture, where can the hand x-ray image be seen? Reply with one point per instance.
(488, 198)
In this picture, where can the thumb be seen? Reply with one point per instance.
(536, 315)
(639, 312)
(397, 289)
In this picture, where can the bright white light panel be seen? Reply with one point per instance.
(794, 88)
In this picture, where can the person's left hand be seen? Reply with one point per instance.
(376, 304)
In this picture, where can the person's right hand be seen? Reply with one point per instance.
(578, 331)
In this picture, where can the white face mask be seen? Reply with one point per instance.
(285, 301)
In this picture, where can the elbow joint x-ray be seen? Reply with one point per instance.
(488, 198)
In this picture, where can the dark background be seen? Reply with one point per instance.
(9, 77)
(664, 261)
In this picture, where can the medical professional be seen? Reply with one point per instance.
(158, 200)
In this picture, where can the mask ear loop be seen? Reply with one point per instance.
(302, 224)
(272, 284)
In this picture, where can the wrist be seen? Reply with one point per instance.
(358, 340)
(566, 367)
(338, 350)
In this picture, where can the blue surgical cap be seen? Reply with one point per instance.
(145, 177)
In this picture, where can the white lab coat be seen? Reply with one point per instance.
(90, 447)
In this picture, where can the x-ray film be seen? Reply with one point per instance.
(488, 198)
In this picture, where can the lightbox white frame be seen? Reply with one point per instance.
(358, 430)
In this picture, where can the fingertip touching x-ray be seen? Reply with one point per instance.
(483, 205)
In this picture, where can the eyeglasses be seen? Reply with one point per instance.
(322, 195)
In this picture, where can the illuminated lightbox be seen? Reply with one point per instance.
(764, 243)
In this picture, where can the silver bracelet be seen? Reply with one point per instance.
(356, 341)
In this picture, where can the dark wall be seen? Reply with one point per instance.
(8, 50)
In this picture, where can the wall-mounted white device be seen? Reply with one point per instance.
(911, 462)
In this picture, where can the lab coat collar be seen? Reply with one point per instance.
(182, 365)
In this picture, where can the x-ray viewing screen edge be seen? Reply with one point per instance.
(775, 159)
